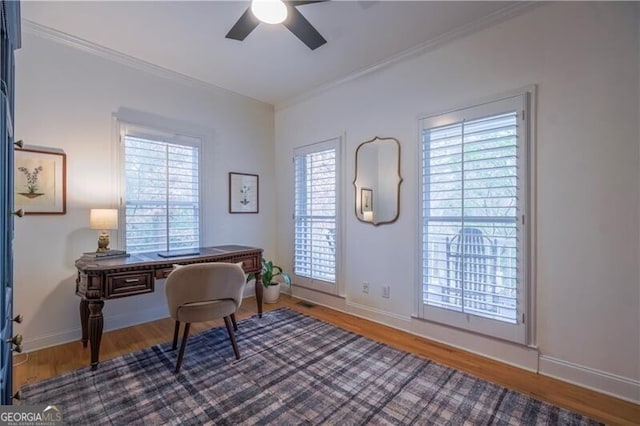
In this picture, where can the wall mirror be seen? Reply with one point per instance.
(377, 181)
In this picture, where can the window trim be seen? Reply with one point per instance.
(123, 128)
(527, 336)
(306, 282)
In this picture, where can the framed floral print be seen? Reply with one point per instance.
(39, 182)
(243, 193)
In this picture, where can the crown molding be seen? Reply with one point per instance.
(499, 16)
(69, 40)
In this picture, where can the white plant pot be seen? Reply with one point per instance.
(271, 293)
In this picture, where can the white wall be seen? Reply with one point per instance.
(65, 99)
(583, 57)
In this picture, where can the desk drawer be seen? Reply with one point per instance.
(163, 273)
(249, 263)
(128, 284)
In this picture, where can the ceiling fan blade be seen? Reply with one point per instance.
(303, 2)
(241, 29)
(301, 28)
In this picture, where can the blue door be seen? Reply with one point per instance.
(9, 41)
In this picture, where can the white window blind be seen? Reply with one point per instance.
(473, 187)
(315, 213)
(162, 195)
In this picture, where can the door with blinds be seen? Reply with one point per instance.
(316, 206)
(474, 200)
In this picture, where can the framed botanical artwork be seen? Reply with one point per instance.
(40, 181)
(366, 197)
(243, 193)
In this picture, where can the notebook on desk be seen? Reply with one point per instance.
(178, 253)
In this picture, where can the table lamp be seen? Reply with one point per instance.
(103, 219)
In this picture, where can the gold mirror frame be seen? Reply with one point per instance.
(368, 192)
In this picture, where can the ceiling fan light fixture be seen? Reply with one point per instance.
(269, 11)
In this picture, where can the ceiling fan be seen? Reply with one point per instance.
(284, 12)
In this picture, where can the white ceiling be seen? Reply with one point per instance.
(271, 64)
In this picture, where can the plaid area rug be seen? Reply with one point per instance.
(294, 370)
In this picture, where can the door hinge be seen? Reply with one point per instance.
(523, 114)
(523, 219)
(523, 318)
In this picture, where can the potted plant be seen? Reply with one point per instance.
(271, 287)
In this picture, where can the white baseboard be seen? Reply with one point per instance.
(378, 311)
(127, 320)
(113, 322)
(51, 339)
(600, 381)
(525, 358)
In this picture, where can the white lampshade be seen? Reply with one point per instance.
(104, 219)
(269, 11)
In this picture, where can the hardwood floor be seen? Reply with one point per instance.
(60, 359)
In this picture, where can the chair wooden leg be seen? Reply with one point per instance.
(183, 345)
(175, 335)
(233, 320)
(232, 336)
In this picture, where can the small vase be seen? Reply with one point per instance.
(271, 293)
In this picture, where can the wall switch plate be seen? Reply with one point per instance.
(386, 290)
(365, 287)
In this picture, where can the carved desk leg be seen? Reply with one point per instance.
(259, 290)
(84, 320)
(95, 330)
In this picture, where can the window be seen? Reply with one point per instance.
(474, 203)
(315, 214)
(161, 192)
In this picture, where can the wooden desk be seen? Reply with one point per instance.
(101, 279)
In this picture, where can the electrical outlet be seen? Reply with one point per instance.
(386, 290)
(365, 287)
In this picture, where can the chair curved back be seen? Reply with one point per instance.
(204, 282)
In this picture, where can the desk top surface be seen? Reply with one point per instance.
(152, 258)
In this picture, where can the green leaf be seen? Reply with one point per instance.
(287, 278)
(270, 271)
